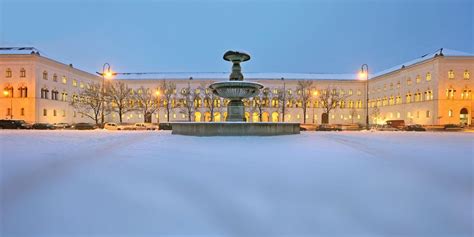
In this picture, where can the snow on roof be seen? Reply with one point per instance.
(18, 50)
(439, 52)
(225, 76)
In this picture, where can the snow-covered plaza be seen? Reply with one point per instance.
(100, 183)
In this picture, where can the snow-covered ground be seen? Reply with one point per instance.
(99, 183)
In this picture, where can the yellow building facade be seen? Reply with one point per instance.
(433, 90)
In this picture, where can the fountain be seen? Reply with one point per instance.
(236, 89)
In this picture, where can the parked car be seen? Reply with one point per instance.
(85, 126)
(328, 127)
(415, 127)
(398, 124)
(164, 126)
(386, 127)
(14, 124)
(43, 126)
(62, 125)
(452, 127)
(138, 126)
(150, 126)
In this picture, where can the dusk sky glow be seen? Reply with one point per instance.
(282, 36)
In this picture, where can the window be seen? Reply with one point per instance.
(54, 95)
(450, 93)
(350, 92)
(429, 95)
(22, 72)
(409, 82)
(408, 114)
(64, 80)
(81, 85)
(23, 92)
(466, 94)
(359, 92)
(54, 112)
(74, 83)
(45, 75)
(22, 111)
(55, 77)
(450, 113)
(44, 93)
(9, 90)
(398, 114)
(418, 79)
(428, 76)
(64, 96)
(428, 114)
(466, 75)
(64, 113)
(408, 98)
(45, 112)
(398, 100)
(8, 73)
(450, 74)
(398, 85)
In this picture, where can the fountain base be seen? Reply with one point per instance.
(235, 111)
(235, 129)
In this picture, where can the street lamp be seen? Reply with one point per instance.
(284, 101)
(364, 74)
(315, 93)
(7, 93)
(158, 104)
(106, 73)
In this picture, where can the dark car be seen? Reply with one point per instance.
(164, 126)
(85, 126)
(327, 127)
(14, 124)
(415, 127)
(43, 126)
(452, 127)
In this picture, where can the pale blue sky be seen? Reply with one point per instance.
(282, 36)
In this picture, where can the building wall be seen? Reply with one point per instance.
(423, 108)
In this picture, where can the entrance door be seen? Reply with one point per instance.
(324, 118)
(464, 116)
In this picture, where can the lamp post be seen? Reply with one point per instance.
(7, 93)
(284, 101)
(106, 74)
(315, 93)
(364, 72)
(158, 104)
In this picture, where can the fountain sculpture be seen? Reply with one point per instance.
(235, 90)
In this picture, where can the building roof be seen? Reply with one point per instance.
(437, 53)
(19, 50)
(225, 76)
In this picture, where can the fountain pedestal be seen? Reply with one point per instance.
(236, 111)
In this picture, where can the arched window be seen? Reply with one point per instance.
(45, 75)
(466, 75)
(450, 74)
(428, 76)
(22, 72)
(8, 73)
(23, 92)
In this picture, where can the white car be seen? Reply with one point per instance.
(114, 126)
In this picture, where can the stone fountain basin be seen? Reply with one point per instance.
(236, 90)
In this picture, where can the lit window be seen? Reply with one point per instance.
(74, 83)
(64, 80)
(81, 85)
(398, 114)
(450, 113)
(466, 75)
(64, 113)
(428, 76)
(428, 114)
(418, 79)
(398, 85)
(409, 82)
(22, 72)
(22, 111)
(350, 92)
(8, 73)
(451, 74)
(359, 92)
(45, 75)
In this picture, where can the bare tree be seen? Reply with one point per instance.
(89, 102)
(210, 99)
(330, 99)
(376, 113)
(304, 95)
(169, 92)
(283, 96)
(187, 101)
(148, 102)
(353, 113)
(120, 95)
(260, 102)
